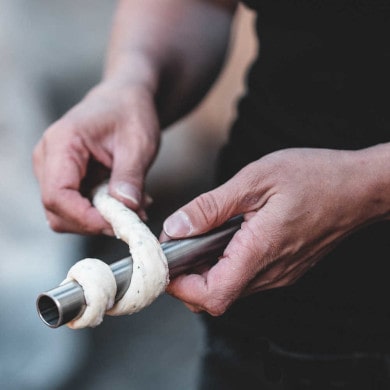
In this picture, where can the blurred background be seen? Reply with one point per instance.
(51, 53)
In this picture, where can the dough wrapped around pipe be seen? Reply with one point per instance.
(150, 268)
(98, 283)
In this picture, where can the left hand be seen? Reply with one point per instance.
(297, 203)
(113, 132)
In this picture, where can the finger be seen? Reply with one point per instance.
(147, 200)
(215, 290)
(60, 225)
(56, 223)
(283, 280)
(211, 209)
(163, 237)
(65, 166)
(96, 174)
(38, 159)
(250, 251)
(81, 217)
(205, 292)
(204, 213)
(134, 150)
(193, 308)
(286, 274)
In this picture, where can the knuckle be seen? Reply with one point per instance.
(64, 124)
(145, 141)
(208, 206)
(58, 228)
(264, 241)
(84, 227)
(36, 155)
(56, 225)
(215, 309)
(247, 242)
(49, 201)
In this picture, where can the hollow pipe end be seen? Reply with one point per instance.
(62, 304)
(49, 310)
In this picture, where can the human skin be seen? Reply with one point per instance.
(298, 203)
(162, 59)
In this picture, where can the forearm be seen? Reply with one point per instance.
(174, 48)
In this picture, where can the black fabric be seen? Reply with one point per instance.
(229, 366)
(321, 80)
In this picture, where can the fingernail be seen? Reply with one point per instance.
(128, 191)
(148, 200)
(108, 232)
(142, 214)
(178, 225)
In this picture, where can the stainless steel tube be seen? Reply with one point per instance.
(62, 304)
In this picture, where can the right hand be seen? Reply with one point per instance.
(114, 128)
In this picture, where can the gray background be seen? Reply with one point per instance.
(51, 53)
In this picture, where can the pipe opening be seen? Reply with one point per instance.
(48, 311)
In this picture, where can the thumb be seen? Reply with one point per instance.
(205, 212)
(130, 164)
(216, 289)
(126, 183)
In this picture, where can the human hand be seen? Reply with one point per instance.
(297, 203)
(114, 128)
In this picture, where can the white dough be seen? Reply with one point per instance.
(150, 268)
(98, 283)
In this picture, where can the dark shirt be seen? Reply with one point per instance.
(322, 81)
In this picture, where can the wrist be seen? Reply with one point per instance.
(132, 69)
(373, 167)
(132, 81)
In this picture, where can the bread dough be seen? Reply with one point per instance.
(98, 283)
(150, 268)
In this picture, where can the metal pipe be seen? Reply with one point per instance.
(66, 302)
